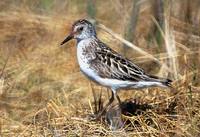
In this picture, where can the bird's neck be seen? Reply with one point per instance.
(85, 39)
(88, 45)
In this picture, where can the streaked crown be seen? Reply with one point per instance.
(83, 29)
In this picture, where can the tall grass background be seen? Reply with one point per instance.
(43, 93)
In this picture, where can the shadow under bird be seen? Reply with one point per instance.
(107, 67)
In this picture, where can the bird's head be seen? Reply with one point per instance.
(81, 29)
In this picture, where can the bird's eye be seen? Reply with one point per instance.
(81, 28)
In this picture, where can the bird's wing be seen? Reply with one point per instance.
(110, 64)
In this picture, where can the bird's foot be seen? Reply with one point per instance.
(93, 117)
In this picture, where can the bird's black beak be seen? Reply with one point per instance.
(68, 38)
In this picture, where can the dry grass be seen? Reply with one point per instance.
(42, 92)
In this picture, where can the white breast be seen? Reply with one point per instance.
(84, 61)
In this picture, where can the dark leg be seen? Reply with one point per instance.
(118, 99)
(106, 106)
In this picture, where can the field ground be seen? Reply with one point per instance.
(43, 93)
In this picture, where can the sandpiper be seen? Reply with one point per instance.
(107, 67)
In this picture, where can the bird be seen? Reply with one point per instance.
(107, 67)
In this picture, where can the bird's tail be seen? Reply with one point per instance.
(163, 81)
